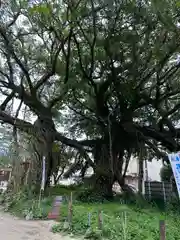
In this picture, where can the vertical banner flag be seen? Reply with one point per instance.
(174, 159)
(43, 174)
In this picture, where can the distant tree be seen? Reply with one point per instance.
(166, 173)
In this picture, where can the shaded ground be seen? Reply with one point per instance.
(12, 228)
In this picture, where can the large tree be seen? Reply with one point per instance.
(112, 66)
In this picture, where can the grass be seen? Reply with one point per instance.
(137, 221)
(29, 207)
(120, 222)
(23, 203)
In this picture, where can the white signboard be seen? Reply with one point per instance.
(43, 174)
(174, 159)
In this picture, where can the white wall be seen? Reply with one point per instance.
(154, 168)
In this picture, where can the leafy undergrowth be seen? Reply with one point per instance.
(119, 222)
(20, 205)
(64, 190)
(27, 205)
(135, 220)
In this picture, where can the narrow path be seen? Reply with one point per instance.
(12, 228)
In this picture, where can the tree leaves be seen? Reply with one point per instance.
(92, 69)
(41, 9)
(178, 3)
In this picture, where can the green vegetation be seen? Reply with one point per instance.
(107, 72)
(134, 220)
(22, 205)
(119, 221)
(64, 190)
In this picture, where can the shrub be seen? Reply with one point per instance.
(90, 196)
(63, 190)
(119, 222)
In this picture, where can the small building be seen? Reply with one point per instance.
(131, 180)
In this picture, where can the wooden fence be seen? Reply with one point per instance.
(158, 190)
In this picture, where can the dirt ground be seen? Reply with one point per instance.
(12, 228)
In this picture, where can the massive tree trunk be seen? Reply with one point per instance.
(46, 138)
(104, 176)
(140, 176)
(109, 158)
(42, 146)
(141, 168)
(109, 163)
(103, 185)
(49, 167)
(43, 150)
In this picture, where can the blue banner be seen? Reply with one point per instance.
(174, 159)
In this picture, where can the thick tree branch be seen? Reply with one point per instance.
(52, 71)
(74, 144)
(165, 137)
(172, 111)
(57, 99)
(20, 124)
(11, 51)
(44, 79)
(68, 56)
(84, 71)
(15, 17)
(6, 101)
(158, 153)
